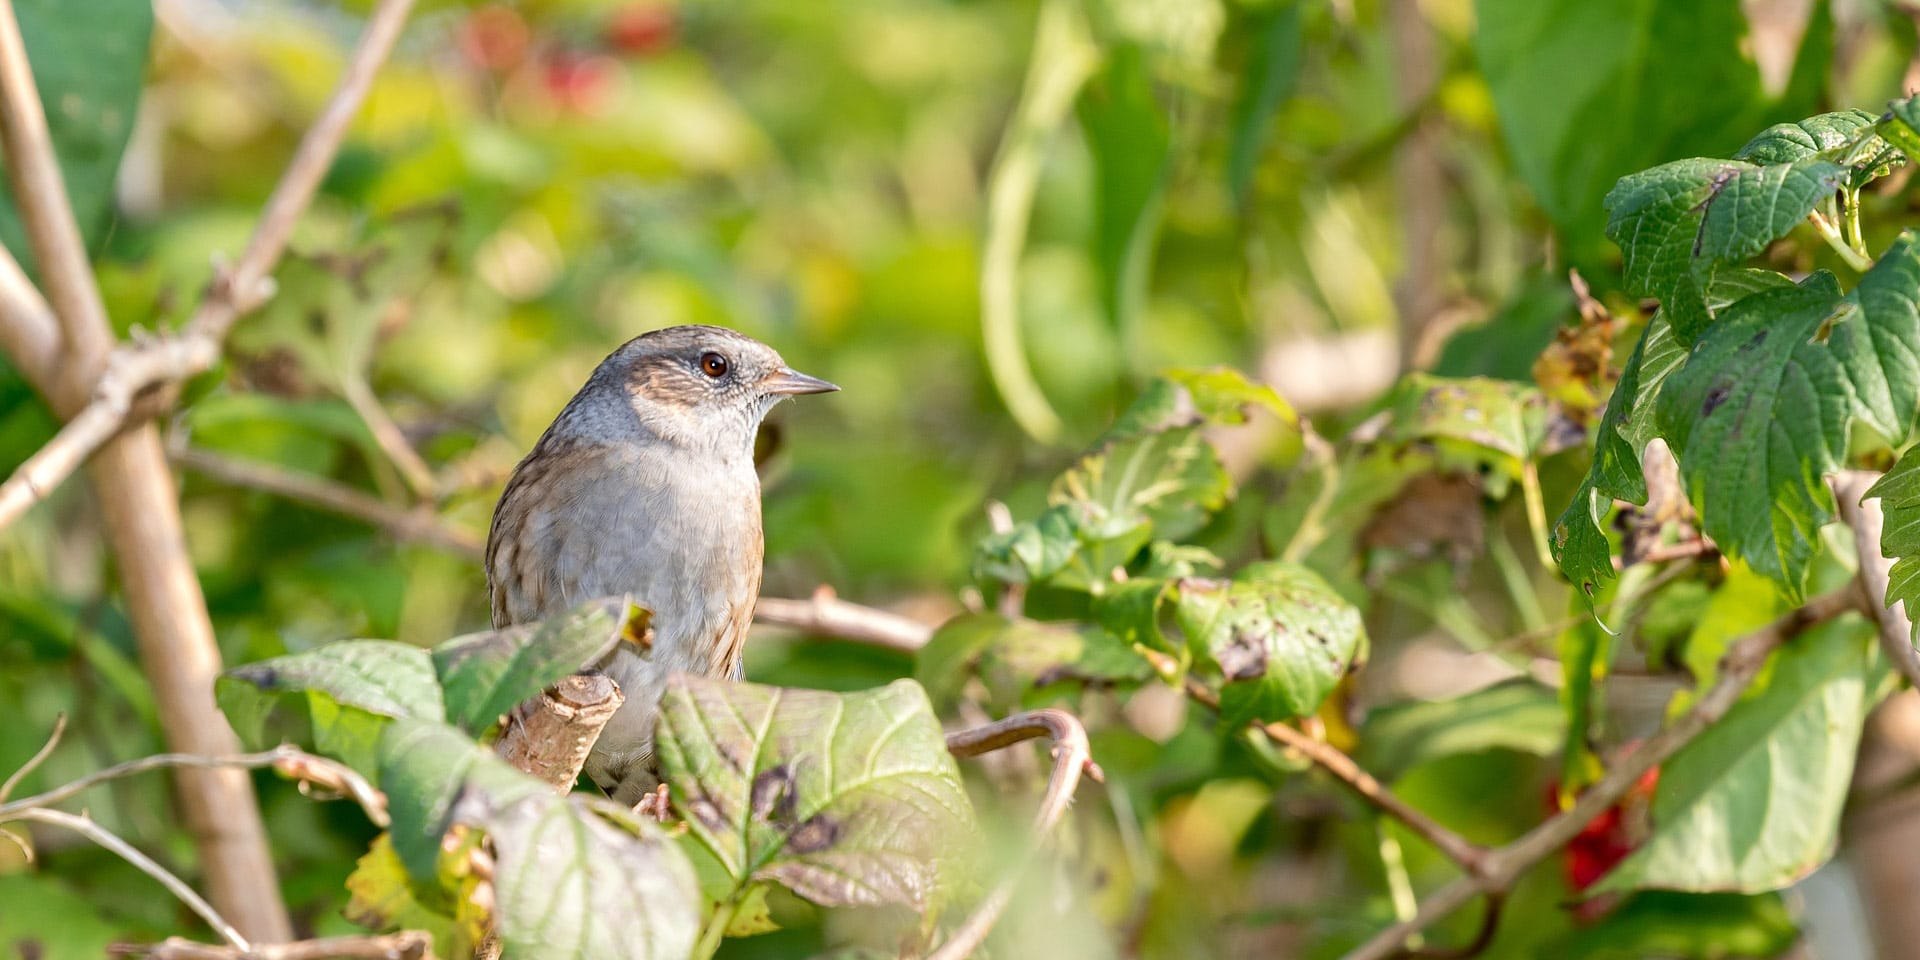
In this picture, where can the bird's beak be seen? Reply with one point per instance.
(790, 382)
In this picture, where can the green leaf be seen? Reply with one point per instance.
(580, 880)
(1899, 493)
(1664, 79)
(369, 674)
(1272, 68)
(1127, 136)
(1151, 475)
(1280, 636)
(1677, 222)
(426, 768)
(1753, 803)
(1816, 136)
(1684, 926)
(486, 675)
(1017, 657)
(381, 897)
(89, 60)
(1470, 421)
(1764, 406)
(1516, 714)
(843, 798)
(1578, 542)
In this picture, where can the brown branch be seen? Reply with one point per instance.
(419, 525)
(1470, 856)
(288, 760)
(1738, 667)
(126, 373)
(405, 945)
(551, 735)
(29, 332)
(1071, 758)
(824, 614)
(1866, 520)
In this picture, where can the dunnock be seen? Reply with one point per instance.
(645, 485)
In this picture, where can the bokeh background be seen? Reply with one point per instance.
(1324, 194)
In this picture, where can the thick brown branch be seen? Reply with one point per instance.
(829, 616)
(551, 735)
(1867, 521)
(129, 371)
(1738, 667)
(1071, 758)
(1326, 756)
(405, 945)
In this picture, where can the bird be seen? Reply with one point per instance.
(645, 485)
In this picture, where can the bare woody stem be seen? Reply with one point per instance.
(1071, 758)
(826, 615)
(1470, 856)
(551, 735)
(1738, 667)
(405, 945)
(115, 378)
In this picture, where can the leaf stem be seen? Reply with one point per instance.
(1830, 232)
(1850, 215)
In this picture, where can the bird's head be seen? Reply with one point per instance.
(702, 387)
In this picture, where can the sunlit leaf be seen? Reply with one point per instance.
(1753, 803)
(485, 675)
(842, 798)
(1513, 715)
(1279, 635)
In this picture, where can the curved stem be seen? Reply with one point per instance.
(1071, 758)
(1062, 60)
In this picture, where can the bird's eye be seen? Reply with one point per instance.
(713, 365)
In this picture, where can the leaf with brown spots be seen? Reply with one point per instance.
(1279, 635)
(843, 798)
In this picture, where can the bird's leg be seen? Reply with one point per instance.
(655, 805)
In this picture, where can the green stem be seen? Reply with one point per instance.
(1536, 512)
(1513, 576)
(1850, 216)
(715, 930)
(1312, 528)
(1063, 58)
(1830, 232)
(1399, 883)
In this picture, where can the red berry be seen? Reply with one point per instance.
(580, 83)
(642, 28)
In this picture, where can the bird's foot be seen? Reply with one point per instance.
(655, 805)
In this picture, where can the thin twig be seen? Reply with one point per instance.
(289, 760)
(39, 757)
(419, 525)
(1470, 856)
(1071, 758)
(1865, 518)
(126, 851)
(824, 614)
(1738, 667)
(133, 369)
(405, 945)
